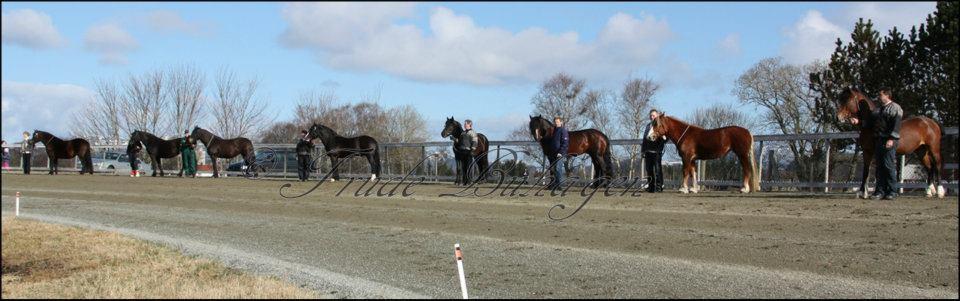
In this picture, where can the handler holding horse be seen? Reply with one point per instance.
(695, 143)
(920, 135)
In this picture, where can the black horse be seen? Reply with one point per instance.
(453, 130)
(59, 149)
(339, 147)
(157, 148)
(589, 141)
(224, 148)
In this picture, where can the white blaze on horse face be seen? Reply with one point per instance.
(652, 136)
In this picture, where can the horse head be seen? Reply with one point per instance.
(320, 131)
(540, 128)
(658, 128)
(449, 127)
(849, 102)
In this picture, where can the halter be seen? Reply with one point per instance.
(684, 133)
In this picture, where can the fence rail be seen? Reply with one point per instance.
(777, 171)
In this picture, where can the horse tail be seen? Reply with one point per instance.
(754, 180)
(607, 157)
(483, 162)
(376, 159)
(87, 158)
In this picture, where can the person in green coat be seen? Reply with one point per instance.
(188, 155)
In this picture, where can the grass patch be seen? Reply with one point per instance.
(43, 260)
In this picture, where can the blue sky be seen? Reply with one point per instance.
(470, 60)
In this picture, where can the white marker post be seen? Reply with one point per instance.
(463, 281)
(17, 205)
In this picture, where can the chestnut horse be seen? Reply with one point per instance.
(918, 135)
(224, 148)
(452, 129)
(589, 141)
(59, 149)
(695, 143)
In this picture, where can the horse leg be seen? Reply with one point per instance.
(937, 168)
(686, 175)
(695, 186)
(927, 162)
(867, 161)
(336, 169)
(216, 174)
(373, 167)
(747, 170)
(157, 164)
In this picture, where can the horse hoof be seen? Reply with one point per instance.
(373, 177)
(744, 190)
(683, 190)
(333, 180)
(941, 192)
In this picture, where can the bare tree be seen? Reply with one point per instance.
(280, 132)
(101, 120)
(563, 95)
(633, 108)
(236, 109)
(143, 102)
(185, 86)
(783, 92)
(314, 107)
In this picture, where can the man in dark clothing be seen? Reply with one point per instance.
(561, 144)
(133, 153)
(886, 126)
(652, 154)
(304, 149)
(25, 151)
(188, 155)
(466, 145)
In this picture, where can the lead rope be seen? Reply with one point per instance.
(684, 134)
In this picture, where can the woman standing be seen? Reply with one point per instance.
(188, 156)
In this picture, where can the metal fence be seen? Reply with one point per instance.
(834, 168)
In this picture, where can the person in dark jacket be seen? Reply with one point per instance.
(25, 153)
(561, 145)
(886, 128)
(466, 145)
(133, 153)
(304, 150)
(652, 154)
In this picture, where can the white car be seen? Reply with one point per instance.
(120, 164)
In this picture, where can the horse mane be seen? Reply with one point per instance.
(53, 138)
(681, 122)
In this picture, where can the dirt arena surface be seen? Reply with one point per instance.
(715, 244)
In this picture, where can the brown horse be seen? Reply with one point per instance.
(59, 149)
(589, 141)
(918, 135)
(224, 148)
(695, 143)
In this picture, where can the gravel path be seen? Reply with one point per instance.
(716, 244)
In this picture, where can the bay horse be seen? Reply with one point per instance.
(919, 135)
(224, 148)
(339, 147)
(696, 143)
(453, 129)
(157, 148)
(59, 149)
(588, 141)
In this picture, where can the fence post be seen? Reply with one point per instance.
(760, 164)
(903, 164)
(826, 170)
(423, 156)
(284, 158)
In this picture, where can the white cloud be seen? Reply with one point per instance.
(810, 39)
(367, 37)
(814, 35)
(29, 106)
(730, 45)
(29, 28)
(112, 43)
(886, 15)
(168, 21)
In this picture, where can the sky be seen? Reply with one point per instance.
(479, 61)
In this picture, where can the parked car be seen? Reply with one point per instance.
(275, 166)
(120, 164)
